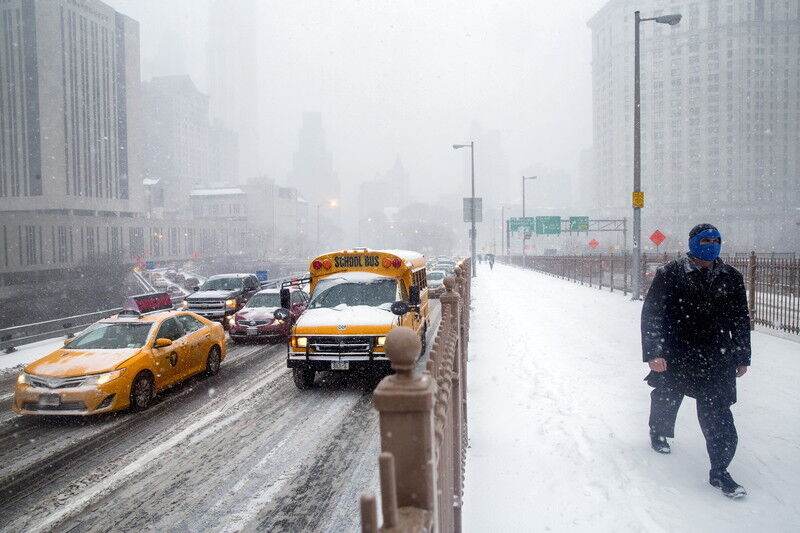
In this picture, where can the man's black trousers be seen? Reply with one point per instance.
(715, 417)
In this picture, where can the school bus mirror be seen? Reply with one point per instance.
(413, 295)
(285, 298)
(400, 308)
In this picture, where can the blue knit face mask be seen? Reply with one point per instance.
(708, 251)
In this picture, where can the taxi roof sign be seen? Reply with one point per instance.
(148, 303)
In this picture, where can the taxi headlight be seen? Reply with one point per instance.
(381, 341)
(23, 379)
(231, 303)
(102, 379)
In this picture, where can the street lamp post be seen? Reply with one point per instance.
(524, 232)
(472, 231)
(637, 152)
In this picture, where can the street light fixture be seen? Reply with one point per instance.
(638, 199)
(524, 232)
(472, 232)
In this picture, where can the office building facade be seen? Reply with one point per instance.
(720, 115)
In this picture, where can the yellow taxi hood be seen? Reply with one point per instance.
(345, 320)
(66, 363)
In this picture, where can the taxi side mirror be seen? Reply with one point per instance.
(196, 288)
(162, 343)
(286, 298)
(413, 295)
(281, 314)
(400, 308)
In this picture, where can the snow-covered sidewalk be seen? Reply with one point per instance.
(558, 421)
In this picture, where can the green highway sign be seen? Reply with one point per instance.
(518, 223)
(548, 225)
(579, 223)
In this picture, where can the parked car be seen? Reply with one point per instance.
(221, 296)
(256, 321)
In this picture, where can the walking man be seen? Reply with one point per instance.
(696, 341)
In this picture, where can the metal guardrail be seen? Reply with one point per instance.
(15, 336)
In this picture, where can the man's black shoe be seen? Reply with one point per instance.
(659, 443)
(723, 481)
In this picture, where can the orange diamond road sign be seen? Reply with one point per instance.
(657, 237)
(594, 244)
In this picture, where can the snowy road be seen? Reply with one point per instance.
(558, 422)
(243, 450)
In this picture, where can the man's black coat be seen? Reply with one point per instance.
(697, 319)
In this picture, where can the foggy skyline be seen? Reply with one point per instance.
(403, 79)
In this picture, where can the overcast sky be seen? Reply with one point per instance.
(405, 78)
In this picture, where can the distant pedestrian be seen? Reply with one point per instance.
(491, 261)
(696, 341)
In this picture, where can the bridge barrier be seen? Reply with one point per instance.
(423, 423)
(772, 282)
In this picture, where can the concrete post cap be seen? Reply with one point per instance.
(402, 348)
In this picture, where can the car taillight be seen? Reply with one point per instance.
(316, 265)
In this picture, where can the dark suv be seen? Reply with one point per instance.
(221, 296)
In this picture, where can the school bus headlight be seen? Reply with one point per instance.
(381, 341)
(102, 379)
(299, 342)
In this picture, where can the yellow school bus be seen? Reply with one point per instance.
(357, 296)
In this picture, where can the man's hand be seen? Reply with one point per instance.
(659, 364)
(741, 371)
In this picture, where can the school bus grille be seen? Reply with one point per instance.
(340, 344)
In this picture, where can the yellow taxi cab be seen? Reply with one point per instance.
(122, 361)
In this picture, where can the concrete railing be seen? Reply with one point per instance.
(423, 424)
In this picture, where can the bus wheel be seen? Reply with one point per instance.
(303, 378)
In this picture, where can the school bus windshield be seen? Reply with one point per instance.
(337, 291)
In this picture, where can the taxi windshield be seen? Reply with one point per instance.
(112, 336)
(270, 299)
(334, 292)
(223, 284)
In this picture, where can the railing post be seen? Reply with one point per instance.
(751, 289)
(405, 403)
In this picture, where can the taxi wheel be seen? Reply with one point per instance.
(213, 361)
(303, 378)
(142, 391)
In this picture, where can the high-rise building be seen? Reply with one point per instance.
(312, 172)
(68, 108)
(720, 111)
(233, 77)
(176, 140)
